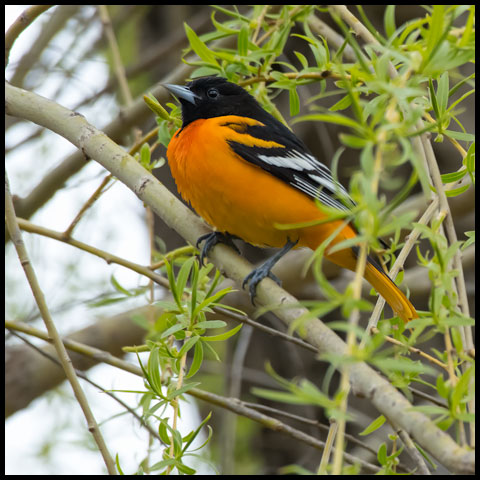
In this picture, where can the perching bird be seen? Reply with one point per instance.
(246, 173)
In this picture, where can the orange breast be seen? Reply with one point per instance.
(236, 196)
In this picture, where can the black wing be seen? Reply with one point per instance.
(291, 162)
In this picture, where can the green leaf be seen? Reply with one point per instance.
(199, 47)
(467, 33)
(382, 454)
(442, 93)
(331, 118)
(433, 98)
(163, 464)
(353, 141)
(156, 107)
(467, 137)
(193, 434)
(342, 104)
(184, 388)
(460, 83)
(210, 300)
(173, 329)
(164, 134)
(196, 361)
(458, 320)
(167, 305)
(163, 431)
(470, 239)
(117, 463)
(154, 375)
(242, 41)
(435, 30)
(442, 388)
(454, 192)
(177, 444)
(233, 13)
(294, 102)
(211, 350)
(459, 100)
(145, 373)
(194, 286)
(278, 396)
(173, 285)
(182, 468)
(469, 161)
(453, 176)
(222, 336)
(302, 59)
(375, 425)
(215, 281)
(369, 25)
(145, 155)
(431, 409)
(183, 275)
(118, 287)
(402, 364)
(204, 71)
(211, 324)
(190, 343)
(389, 20)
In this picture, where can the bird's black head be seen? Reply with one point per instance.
(209, 97)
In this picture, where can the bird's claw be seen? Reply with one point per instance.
(211, 239)
(255, 277)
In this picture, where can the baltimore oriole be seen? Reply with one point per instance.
(246, 173)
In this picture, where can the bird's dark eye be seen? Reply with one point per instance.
(212, 93)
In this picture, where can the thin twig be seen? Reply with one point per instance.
(332, 432)
(22, 22)
(415, 455)
(89, 203)
(116, 57)
(229, 427)
(411, 349)
(108, 257)
(259, 23)
(271, 331)
(101, 189)
(345, 385)
(22, 253)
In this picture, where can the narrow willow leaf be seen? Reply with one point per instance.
(211, 324)
(222, 336)
(375, 425)
(197, 360)
(199, 47)
(155, 106)
(389, 20)
(294, 102)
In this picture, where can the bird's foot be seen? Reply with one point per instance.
(211, 239)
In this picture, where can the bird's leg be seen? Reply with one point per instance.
(211, 239)
(264, 270)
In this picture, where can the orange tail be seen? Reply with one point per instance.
(400, 304)
(397, 300)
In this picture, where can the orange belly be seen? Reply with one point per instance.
(236, 196)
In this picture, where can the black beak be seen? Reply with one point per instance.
(183, 93)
